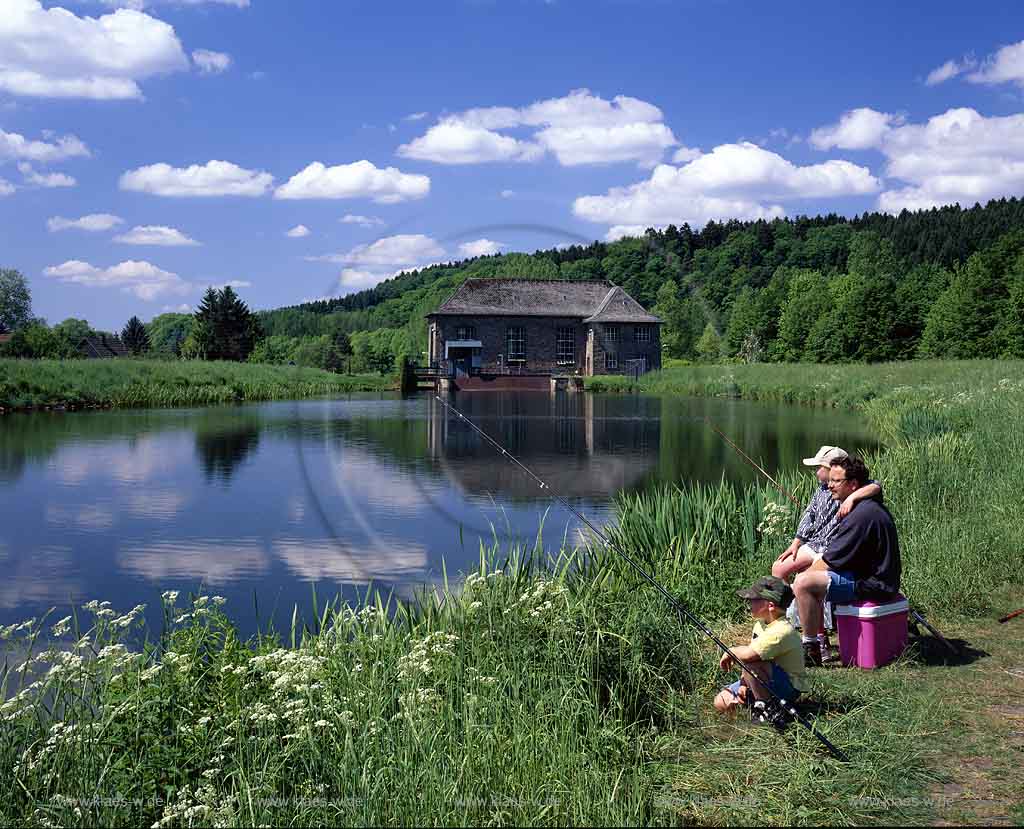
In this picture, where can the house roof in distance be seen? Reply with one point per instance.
(592, 301)
(100, 345)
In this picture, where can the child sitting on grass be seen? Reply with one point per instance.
(775, 654)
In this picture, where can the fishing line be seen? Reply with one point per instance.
(681, 609)
(913, 611)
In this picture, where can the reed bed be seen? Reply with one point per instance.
(846, 386)
(529, 696)
(538, 691)
(27, 384)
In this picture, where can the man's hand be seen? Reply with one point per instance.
(790, 551)
(725, 663)
(848, 504)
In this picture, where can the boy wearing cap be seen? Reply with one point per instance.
(774, 655)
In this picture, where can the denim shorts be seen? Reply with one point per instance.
(842, 587)
(780, 683)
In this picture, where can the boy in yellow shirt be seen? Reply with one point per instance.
(775, 653)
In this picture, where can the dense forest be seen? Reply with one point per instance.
(946, 282)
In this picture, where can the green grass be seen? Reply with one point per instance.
(846, 386)
(559, 694)
(26, 384)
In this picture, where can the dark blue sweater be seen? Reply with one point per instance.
(865, 546)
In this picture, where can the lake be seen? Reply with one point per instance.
(260, 503)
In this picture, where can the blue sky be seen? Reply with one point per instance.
(150, 148)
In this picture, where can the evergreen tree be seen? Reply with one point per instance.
(224, 328)
(134, 336)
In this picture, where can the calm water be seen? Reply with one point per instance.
(259, 503)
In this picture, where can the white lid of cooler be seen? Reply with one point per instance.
(873, 611)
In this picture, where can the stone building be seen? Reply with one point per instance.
(530, 326)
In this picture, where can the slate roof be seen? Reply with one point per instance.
(101, 345)
(595, 301)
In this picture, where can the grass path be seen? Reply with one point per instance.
(940, 744)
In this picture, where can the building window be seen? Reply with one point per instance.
(465, 332)
(566, 346)
(611, 335)
(642, 334)
(611, 361)
(516, 343)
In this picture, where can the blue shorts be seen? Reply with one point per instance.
(842, 587)
(780, 683)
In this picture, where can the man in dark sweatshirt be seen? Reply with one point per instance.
(862, 561)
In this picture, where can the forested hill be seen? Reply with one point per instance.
(941, 282)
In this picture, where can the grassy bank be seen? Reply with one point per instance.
(27, 384)
(846, 386)
(562, 694)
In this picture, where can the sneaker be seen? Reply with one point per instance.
(812, 654)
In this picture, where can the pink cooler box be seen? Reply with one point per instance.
(871, 634)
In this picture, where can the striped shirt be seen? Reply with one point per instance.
(818, 523)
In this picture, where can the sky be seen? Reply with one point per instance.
(299, 150)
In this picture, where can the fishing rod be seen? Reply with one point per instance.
(918, 618)
(680, 608)
(1008, 616)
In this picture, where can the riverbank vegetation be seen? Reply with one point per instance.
(540, 692)
(123, 383)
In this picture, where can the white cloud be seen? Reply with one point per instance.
(141, 4)
(6, 188)
(231, 283)
(94, 223)
(367, 265)
(353, 279)
(616, 232)
(211, 63)
(481, 247)
(579, 128)
(48, 180)
(15, 146)
(394, 251)
(1006, 65)
(957, 157)
(53, 53)
(642, 142)
(215, 178)
(858, 129)
(454, 142)
(950, 69)
(184, 308)
(740, 181)
(360, 179)
(416, 116)
(362, 221)
(508, 194)
(684, 154)
(143, 279)
(155, 235)
(297, 232)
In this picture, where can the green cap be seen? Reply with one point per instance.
(770, 588)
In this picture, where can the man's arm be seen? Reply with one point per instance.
(869, 490)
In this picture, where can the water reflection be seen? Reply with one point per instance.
(221, 449)
(340, 493)
(570, 441)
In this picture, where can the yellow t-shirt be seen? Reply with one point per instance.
(780, 643)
